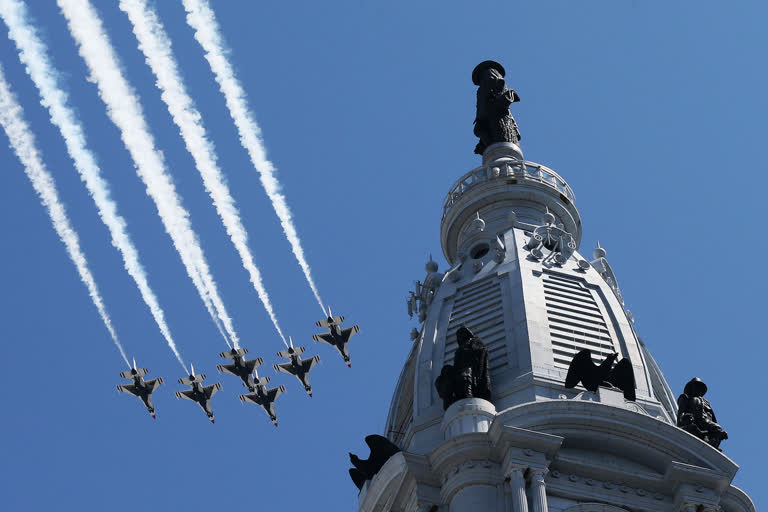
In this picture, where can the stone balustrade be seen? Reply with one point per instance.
(505, 170)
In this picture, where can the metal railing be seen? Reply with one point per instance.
(521, 170)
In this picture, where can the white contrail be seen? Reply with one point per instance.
(23, 144)
(202, 19)
(156, 46)
(125, 111)
(34, 55)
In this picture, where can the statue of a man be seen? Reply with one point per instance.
(493, 122)
(468, 377)
(696, 416)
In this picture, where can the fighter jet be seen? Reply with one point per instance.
(199, 393)
(140, 388)
(265, 398)
(297, 366)
(336, 336)
(241, 368)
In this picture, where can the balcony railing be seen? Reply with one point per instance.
(503, 171)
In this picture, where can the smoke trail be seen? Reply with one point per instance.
(23, 144)
(201, 18)
(125, 111)
(33, 54)
(154, 43)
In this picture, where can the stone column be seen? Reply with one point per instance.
(539, 490)
(467, 416)
(515, 488)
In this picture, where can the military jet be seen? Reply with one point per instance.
(336, 336)
(140, 388)
(199, 393)
(240, 367)
(297, 366)
(265, 398)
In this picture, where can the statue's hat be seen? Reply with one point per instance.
(694, 385)
(483, 66)
(463, 334)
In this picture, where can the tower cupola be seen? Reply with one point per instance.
(491, 410)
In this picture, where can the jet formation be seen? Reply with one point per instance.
(246, 371)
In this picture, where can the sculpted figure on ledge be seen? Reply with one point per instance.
(493, 122)
(468, 377)
(696, 416)
(381, 451)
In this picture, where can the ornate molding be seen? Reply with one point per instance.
(613, 488)
(420, 298)
(558, 243)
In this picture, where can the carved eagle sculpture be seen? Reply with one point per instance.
(583, 370)
(381, 450)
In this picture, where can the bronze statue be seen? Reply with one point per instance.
(621, 375)
(493, 122)
(468, 377)
(381, 450)
(695, 415)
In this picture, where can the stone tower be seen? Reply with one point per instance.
(511, 231)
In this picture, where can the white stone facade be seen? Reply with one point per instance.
(536, 446)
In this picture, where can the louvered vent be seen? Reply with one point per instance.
(479, 307)
(575, 321)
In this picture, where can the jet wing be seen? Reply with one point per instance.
(253, 398)
(211, 390)
(273, 393)
(349, 332)
(227, 368)
(253, 364)
(310, 363)
(186, 395)
(284, 367)
(153, 384)
(128, 388)
(324, 338)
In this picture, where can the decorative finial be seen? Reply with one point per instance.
(493, 122)
(431, 266)
(549, 217)
(599, 252)
(477, 224)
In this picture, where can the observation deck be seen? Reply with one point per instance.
(506, 170)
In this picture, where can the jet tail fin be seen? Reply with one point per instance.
(134, 372)
(191, 379)
(231, 354)
(287, 353)
(329, 322)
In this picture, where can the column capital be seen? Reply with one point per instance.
(515, 473)
(538, 474)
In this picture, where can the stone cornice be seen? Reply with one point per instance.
(652, 442)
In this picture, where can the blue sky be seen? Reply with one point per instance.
(652, 111)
